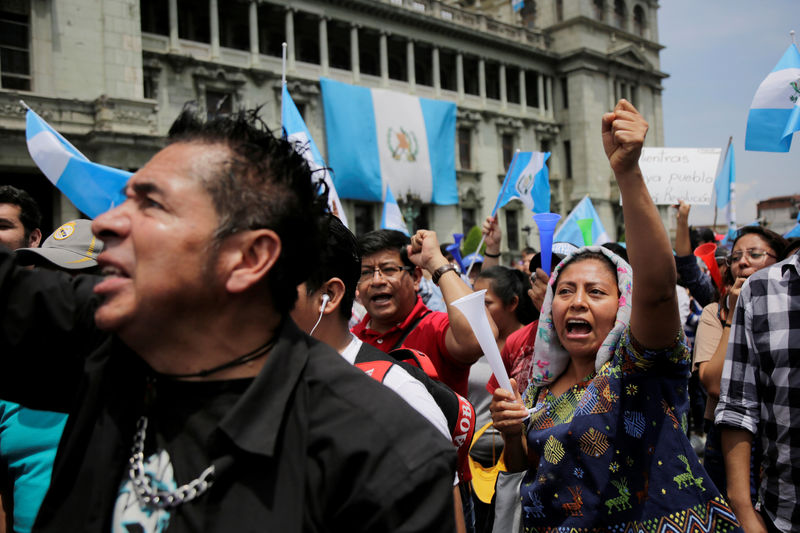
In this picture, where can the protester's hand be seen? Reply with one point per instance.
(750, 519)
(624, 130)
(538, 288)
(491, 228)
(424, 251)
(508, 412)
(682, 216)
(733, 295)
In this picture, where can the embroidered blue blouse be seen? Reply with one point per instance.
(612, 452)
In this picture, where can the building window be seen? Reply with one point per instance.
(397, 58)
(548, 95)
(528, 13)
(559, 10)
(369, 43)
(155, 16)
(150, 82)
(339, 45)
(544, 146)
(471, 75)
(512, 229)
(512, 84)
(619, 14)
(564, 92)
(507, 142)
(423, 62)
(15, 62)
(218, 103)
(306, 37)
(492, 80)
(639, 22)
(271, 29)
(234, 26)
(465, 148)
(447, 70)
(568, 159)
(193, 20)
(364, 220)
(531, 88)
(599, 9)
(467, 219)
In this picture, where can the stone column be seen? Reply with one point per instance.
(213, 17)
(289, 32)
(503, 88)
(354, 61)
(437, 79)
(540, 92)
(523, 98)
(323, 46)
(482, 80)
(460, 75)
(252, 19)
(610, 84)
(383, 56)
(412, 74)
(174, 44)
(550, 96)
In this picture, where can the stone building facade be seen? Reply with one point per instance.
(112, 74)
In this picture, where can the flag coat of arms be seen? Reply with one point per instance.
(91, 187)
(775, 112)
(298, 134)
(392, 217)
(571, 232)
(378, 138)
(528, 180)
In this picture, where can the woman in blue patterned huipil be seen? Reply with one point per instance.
(604, 447)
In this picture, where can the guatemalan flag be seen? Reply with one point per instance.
(571, 232)
(298, 134)
(392, 217)
(775, 111)
(378, 137)
(527, 179)
(91, 187)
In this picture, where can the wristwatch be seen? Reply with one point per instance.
(440, 271)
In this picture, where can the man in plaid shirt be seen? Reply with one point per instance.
(760, 395)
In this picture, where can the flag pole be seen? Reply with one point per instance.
(283, 75)
(791, 34)
(23, 104)
(731, 206)
(494, 211)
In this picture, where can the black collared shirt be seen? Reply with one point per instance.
(312, 445)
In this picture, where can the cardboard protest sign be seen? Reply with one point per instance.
(674, 174)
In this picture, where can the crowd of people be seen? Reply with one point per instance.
(220, 353)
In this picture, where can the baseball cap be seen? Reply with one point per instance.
(71, 247)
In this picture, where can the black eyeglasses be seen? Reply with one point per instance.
(752, 253)
(387, 271)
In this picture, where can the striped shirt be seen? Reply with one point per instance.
(760, 384)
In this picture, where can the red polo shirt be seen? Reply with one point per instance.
(427, 337)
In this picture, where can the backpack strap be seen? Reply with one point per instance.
(409, 329)
(462, 436)
(377, 370)
(415, 358)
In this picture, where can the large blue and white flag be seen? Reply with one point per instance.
(378, 137)
(298, 134)
(725, 186)
(392, 217)
(775, 111)
(528, 180)
(571, 232)
(91, 187)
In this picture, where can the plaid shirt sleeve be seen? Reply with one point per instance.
(739, 403)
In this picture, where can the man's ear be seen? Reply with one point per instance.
(417, 276)
(35, 238)
(335, 289)
(247, 257)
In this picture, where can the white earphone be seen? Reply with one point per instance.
(325, 299)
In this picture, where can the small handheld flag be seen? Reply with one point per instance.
(724, 187)
(392, 217)
(775, 112)
(299, 136)
(528, 180)
(574, 231)
(91, 187)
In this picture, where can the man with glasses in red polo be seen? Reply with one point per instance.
(391, 268)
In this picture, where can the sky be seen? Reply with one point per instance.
(717, 53)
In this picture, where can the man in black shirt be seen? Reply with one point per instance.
(194, 403)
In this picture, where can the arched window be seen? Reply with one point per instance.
(599, 9)
(639, 22)
(620, 14)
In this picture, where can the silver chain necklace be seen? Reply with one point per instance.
(162, 499)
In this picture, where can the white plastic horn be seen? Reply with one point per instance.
(474, 308)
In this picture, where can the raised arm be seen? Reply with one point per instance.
(460, 340)
(683, 244)
(654, 316)
(491, 229)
